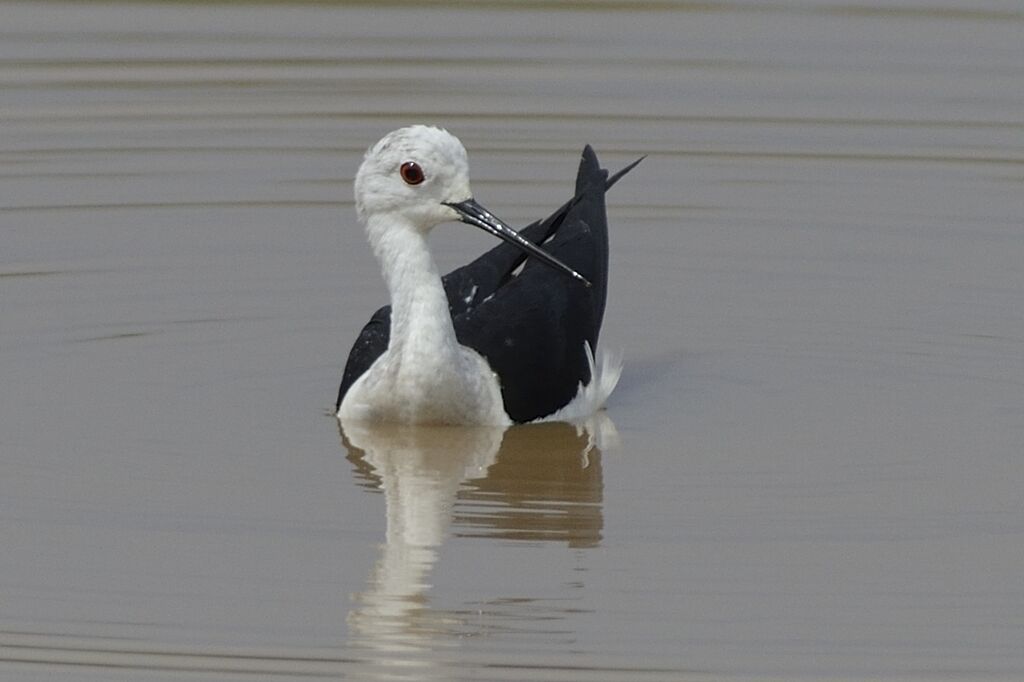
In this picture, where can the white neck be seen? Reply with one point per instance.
(419, 305)
(425, 376)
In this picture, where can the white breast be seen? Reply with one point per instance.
(418, 388)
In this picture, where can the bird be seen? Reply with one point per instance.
(508, 338)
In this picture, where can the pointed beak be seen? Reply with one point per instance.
(474, 214)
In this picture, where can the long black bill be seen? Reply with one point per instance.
(474, 214)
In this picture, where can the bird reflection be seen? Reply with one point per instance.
(547, 485)
(537, 482)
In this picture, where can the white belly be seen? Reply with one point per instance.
(423, 389)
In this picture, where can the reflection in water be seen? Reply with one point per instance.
(545, 485)
(533, 482)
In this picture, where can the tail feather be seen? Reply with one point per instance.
(604, 376)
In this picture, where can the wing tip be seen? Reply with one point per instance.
(618, 175)
(590, 165)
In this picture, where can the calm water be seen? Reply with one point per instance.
(812, 467)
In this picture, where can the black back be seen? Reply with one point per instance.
(530, 326)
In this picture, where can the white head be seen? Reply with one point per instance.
(414, 172)
(419, 177)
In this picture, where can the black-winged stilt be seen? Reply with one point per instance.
(489, 343)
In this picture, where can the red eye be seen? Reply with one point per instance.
(411, 173)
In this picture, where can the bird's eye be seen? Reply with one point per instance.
(411, 173)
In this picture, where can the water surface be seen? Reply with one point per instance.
(812, 466)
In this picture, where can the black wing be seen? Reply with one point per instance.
(473, 283)
(370, 345)
(532, 330)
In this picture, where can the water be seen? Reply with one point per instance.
(812, 466)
